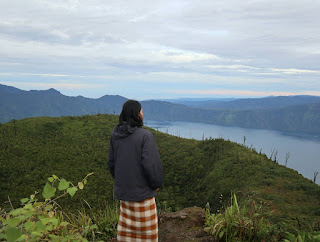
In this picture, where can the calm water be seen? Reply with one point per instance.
(303, 149)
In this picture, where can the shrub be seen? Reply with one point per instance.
(35, 220)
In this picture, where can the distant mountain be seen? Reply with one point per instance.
(299, 113)
(251, 103)
(301, 118)
(18, 104)
(196, 102)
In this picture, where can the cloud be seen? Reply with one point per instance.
(61, 85)
(262, 71)
(295, 71)
(144, 16)
(232, 67)
(248, 44)
(182, 56)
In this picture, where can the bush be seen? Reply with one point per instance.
(35, 220)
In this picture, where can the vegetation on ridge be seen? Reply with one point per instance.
(196, 172)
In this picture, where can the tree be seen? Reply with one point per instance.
(287, 158)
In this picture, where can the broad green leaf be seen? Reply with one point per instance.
(54, 221)
(55, 177)
(37, 233)
(28, 207)
(67, 238)
(64, 223)
(48, 207)
(54, 237)
(28, 214)
(48, 191)
(45, 220)
(21, 218)
(80, 185)
(13, 222)
(63, 184)
(72, 191)
(37, 204)
(49, 227)
(24, 200)
(40, 227)
(16, 212)
(12, 234)
(51, 179)
(22, 238)
(28, 225)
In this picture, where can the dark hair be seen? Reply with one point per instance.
(130, 114)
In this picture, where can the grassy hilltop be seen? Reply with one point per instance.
(196, 172)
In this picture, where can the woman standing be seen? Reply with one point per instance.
(135, 165)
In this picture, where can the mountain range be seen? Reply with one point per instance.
(18, 104)
(246, 103)
(292, 113)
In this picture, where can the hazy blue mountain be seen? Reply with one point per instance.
(251, 103)
(18, 104)
(304, 118)
(197, 102)
(265, 113)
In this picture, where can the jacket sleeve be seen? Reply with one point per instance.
(151, 161)
(110, 162)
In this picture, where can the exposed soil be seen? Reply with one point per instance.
(184, 225)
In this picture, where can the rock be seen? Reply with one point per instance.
(184, 225)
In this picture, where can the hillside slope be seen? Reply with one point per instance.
(196, 172)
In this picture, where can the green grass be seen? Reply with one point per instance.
(246, 223)
(250, 222)
(196, 172)
(105, 218)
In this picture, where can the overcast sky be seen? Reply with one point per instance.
(162, 49)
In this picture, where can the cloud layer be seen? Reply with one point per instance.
(149, 49)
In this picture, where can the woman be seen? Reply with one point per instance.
(135, 165)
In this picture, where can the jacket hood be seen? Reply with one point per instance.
(122, 131)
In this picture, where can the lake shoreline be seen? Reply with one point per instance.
(303, 149)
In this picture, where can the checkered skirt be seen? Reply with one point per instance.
(138, 221)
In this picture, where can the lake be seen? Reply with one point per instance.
(303, 149)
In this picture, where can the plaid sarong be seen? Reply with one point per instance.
(138, 221)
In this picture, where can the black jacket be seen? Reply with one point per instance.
(134, 162)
